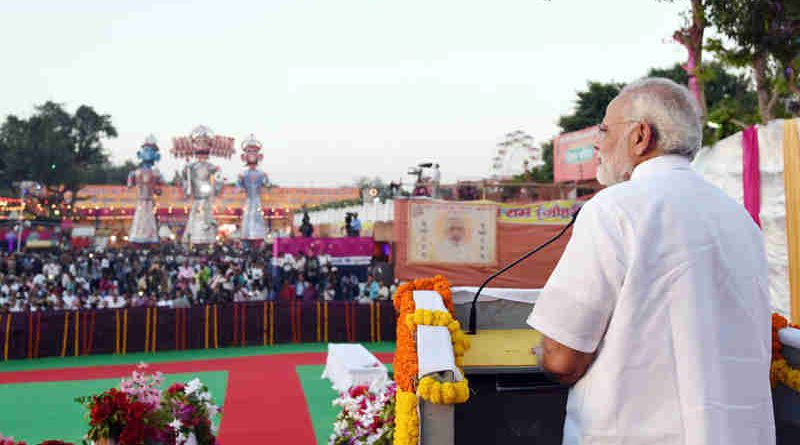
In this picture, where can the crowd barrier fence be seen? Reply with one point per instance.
(152, 329)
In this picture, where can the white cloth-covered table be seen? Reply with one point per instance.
(465, 294)
(351, 365)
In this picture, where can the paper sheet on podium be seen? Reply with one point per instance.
(435, 351)
(429, 300)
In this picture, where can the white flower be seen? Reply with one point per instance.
(181, 439)
(212, 410)
(175, 424)
(192, 386)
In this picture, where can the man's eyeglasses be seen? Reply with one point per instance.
(602, 129)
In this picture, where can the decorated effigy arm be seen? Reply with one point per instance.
(219, 181)
(158, 182)
(186, 181)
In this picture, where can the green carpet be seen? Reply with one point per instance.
(175, 356)
(47, 410)
(319, 395)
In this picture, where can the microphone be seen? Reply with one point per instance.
(473, 314)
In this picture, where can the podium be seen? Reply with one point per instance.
(513, 401)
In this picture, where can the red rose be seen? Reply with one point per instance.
(358, 390)
(176, 387)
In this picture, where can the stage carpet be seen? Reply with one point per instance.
(271, 394)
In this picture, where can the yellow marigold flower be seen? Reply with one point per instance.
(462, 391)
(436, 394)
(427, 317)
(454, 326)
(448, 393)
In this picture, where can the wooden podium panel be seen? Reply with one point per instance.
(498, 348)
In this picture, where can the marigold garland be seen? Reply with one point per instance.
(406, 430)
(780, 371)
(406, 365)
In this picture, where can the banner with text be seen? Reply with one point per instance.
(550, 212)
(452, 233)
(573, 155)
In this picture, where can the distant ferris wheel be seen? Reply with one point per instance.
(515, 154)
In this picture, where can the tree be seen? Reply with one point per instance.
(730, 100)
(761, 34)
(691, 37)
(590, 108)
(54, 148)
(110, 174)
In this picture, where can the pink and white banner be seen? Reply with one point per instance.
(335, 247)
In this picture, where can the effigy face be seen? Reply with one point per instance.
(149, 155)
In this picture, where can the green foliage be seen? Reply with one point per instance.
(763, 35)
(542, 173)
(108, 173)
(590, 106)
(334, 205)
(54, 148)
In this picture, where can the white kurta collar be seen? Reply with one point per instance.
(660, 164)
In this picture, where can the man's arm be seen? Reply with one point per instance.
(565, 364)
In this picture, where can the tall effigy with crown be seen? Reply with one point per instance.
(201, 181)
(252, 180)
(147, 181)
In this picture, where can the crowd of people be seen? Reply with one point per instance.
(172, 275)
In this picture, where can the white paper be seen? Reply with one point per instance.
(790, 337)
(434, 350)
(428, 300)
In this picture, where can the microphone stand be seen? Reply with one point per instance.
(473, 314)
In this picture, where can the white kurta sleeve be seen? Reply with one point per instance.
(579, 297)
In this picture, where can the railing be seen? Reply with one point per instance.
(151, 329)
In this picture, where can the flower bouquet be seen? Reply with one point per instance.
(367, 416)
(130, 415)
(139, 413)
(191, 410)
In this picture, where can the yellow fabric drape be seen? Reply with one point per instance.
(379, 321)
(155, 330)
(125, 332)
(65, 335)
(117, 332)
(272, 323)
(8, 336)
(264, 324)
(216, 329)
(205, 324)
(77, 333)
(319, 321)
(147, 329)
(326, 322)
(791, 180)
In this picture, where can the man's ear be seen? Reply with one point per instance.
(643, 139)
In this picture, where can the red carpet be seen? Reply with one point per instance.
(264, 401)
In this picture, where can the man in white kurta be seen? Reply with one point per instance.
(663, 286)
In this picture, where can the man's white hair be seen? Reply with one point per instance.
(670, 109)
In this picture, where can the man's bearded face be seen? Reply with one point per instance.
(615, 162)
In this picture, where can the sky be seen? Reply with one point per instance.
(334, 89)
